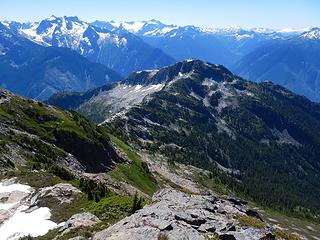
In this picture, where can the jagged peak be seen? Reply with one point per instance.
(56, 18)
(52, 17)
(312, 34)
(5, 95)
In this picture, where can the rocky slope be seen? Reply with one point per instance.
(63, 164)
(177, 215)
(171, 215)
(21, 213)
(260, 135)
(38, 72)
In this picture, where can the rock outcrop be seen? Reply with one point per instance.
(176, 215)
(5, 95)
(79, 220)
(63, 192)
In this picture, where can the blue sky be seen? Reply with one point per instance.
(207, 13)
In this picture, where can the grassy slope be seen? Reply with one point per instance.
(55, 132)
(137, 173)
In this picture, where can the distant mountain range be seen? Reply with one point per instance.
(292, 63)
(38, 72)
(161, 118)
(117, 49)
(194, 112)
(287, 57)
(220, 45)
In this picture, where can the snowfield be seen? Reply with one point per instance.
(20, 219)
(121, 98)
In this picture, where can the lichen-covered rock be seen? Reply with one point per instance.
(176, 215)
(63, 192)
(77, 220)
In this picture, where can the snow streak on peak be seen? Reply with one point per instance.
(43, 32)
(293, 30)
(133, 27)
(69, 32)
(313, 34)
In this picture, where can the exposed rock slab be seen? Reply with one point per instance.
(64, 192)
(177, 215)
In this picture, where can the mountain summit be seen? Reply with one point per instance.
(194, 112)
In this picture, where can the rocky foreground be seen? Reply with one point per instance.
(172, 215)
(177, 215)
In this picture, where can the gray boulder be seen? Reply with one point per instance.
(79, 220)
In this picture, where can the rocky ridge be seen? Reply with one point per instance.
(177, 215)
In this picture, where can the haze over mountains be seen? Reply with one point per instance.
(132, 46)
(249, 52)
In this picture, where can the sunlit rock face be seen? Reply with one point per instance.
(176, 215)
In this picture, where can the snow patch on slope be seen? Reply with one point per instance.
(17, 218)
(123, 97)
(133, 27)
(23, 223)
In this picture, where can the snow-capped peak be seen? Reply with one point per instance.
(312, 34)
(133, 27)
(262, 30)
(52, 18)
(227, 30)
(293, 30)
(45, 31)
(146, 28)
(72, 33)
(6, 23)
